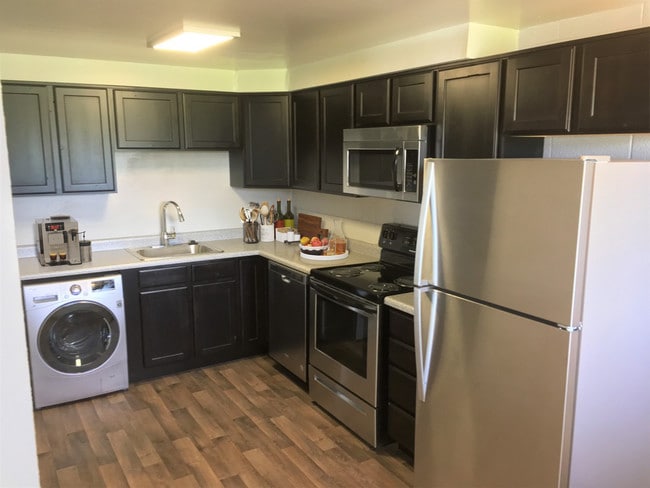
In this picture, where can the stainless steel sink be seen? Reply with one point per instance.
(178, 250)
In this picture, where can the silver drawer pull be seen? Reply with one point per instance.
(339, 394)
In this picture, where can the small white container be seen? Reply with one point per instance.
(267, 233)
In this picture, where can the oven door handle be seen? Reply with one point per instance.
(344, 301)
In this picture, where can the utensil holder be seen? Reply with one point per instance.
(251, 232)
(267, 233)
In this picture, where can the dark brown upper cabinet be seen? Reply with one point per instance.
(263, 160)
(372, 103)
(398, 100)
(614, 93)
(335, 115)
(467, 108)
(305, 113)
(412, 98)
(538, 88)
(31, 138)
(147, 119)
(83, 121)
(211, 121)
(59, 139)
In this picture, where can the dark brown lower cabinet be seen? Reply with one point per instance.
(186, 316)
(401, 380)
(165, 318)
(216, 311)
(254, 309)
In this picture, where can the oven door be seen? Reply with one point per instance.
(345, 339)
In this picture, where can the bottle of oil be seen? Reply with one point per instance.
(288, 216)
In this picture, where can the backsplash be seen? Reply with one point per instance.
(199, 182)
(618, 146)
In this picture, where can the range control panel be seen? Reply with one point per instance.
(399, 238)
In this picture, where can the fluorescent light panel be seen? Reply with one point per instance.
(192, 37)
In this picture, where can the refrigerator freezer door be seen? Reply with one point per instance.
(507, 232)
(497, 412)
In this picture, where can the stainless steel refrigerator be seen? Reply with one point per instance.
(532, 324)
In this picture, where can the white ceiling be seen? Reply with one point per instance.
(274, 33)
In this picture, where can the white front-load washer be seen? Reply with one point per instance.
(77, 338)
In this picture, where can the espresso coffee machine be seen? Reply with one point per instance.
(58, 240)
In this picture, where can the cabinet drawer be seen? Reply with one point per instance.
(402, 356)
(401, 427)
(401, 326)
(401, 389)
(163, 276)
(225, 270)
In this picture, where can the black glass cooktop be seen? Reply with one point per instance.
(372, 281)
(392, 274)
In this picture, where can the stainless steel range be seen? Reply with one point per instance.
(346, 372)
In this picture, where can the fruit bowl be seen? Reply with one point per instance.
(312, 250)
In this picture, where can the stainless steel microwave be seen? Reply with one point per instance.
(386, 162)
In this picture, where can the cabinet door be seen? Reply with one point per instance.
(537, 97)
(210, 121)
(306, 158)
(401, 380)
(336, 115)
(371, 103)
(288, 291)
(264, 158)
(412, 98)
(254, 313)
(166, 327)
(216, 321)
(147, 119)
(84, 139)
(29, 124)
(614, 80)
(467, 101)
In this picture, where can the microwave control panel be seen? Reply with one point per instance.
(411, 170)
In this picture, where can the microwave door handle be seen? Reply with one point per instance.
(396, 185)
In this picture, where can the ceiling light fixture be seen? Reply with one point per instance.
(192, 37)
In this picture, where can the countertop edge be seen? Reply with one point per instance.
(110, 261)
(402, 302)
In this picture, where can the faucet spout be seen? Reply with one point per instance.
(165, 234)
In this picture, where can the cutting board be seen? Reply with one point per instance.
(310, 225)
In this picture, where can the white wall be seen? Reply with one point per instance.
(614, 20)
(199, 181)
(618, 146)
(18, 464)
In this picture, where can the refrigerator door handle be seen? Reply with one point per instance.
(425, 328)
(426, 253)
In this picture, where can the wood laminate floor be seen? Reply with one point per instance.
(238, 424)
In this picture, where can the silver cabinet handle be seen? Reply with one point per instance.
(339, 394)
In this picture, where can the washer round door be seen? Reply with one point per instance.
(78, 337)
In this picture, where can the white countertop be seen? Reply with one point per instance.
(403, 302)
(109, 261)
(118, 259)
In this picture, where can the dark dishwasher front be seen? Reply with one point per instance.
(288, 292)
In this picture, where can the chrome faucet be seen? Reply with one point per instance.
(166, 235)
